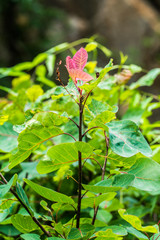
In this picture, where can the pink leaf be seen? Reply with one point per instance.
(80, 58)
(77, 74)
(70, 64)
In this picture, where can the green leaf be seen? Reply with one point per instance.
(6, 204)
(101, 119)
(134, 68)
(122, 161)
(65, 153)
(39, 59)
(119, 230)
(49, 194)
(55, 238)
(44, 205)
(23, 224)
(97, 107)
(86, 230)
(42, 127)
(103, 72)
(123, 180)
(136, 233)
(95, 201)
(155, 236)
(107, 235)
(34, 92)
(126, 139)
(22, 195)
(3, 119)
(146, 80)
(6, 187)
(102, 215)
(8, 137)
(136, 222)
(41, 72)
(105, 50)
(9, 230)
(30, 236)
(91, 46)
(104, 186)
(147, 173)
(50, 62)
(57, 48)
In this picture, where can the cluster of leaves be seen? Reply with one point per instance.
(39, 151)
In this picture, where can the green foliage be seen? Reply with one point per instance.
(136, 223)
(8, 137)
(49, 194)
(126, 139)
(97, 136)
(23, 224)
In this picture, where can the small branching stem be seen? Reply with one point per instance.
(70, 136)
(74, 122)
(103, 174)
(89, 130)
(93, 160)
(34, 219)
(147, 235)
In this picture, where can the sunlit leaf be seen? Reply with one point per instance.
(136, 222)
(91, 46)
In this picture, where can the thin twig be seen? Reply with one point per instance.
(70, 136)
(86, 99)
(34, 219)
(74, 122)
(93, 160)
(89, 130)
(84, 194)
(147, 235)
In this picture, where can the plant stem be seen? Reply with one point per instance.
(103, 174)
(74, 122)
(34, 219)
(89, 130)
(80, 162)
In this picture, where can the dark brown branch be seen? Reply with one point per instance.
(34, 219)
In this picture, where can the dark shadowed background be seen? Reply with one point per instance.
(28, 27)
